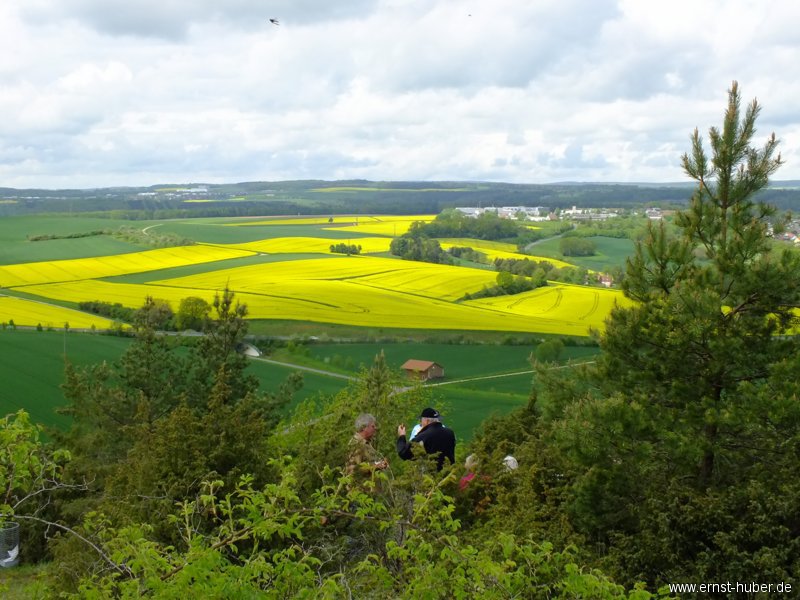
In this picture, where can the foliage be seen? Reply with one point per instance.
(155, 314)
(193, 313)
(27, 471)
(414, 246)
(150, 428)
(549, 350)
(348, 249)
(269, 541)
(467, 253)
(576, 246)
(151, 238)
(488, 226)
(687, 427)
(112, 310)
(31, 477)
(68, 236)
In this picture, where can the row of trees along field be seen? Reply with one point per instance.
(672, 459)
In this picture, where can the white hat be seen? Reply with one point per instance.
(510, 462)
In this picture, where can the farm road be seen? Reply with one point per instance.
(468, 379)
(304, 368)
(403, 389)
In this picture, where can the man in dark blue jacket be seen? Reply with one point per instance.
(434, 437)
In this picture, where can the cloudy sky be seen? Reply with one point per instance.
(99, 93)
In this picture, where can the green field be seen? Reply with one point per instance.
(15, 247)
(611, 252)
(459, 361)
(33, 367)
(32, 370)
(223, 231)
(471, 390)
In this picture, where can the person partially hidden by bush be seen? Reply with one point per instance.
(434, 437)
(363, 459)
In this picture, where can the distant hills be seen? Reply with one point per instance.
(351, 196)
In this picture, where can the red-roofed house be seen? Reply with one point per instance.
(423, 369)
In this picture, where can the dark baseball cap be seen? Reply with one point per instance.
(430, 413)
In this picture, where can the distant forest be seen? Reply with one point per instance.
(354, 197)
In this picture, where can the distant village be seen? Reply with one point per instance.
(790, 233)
(542, 213)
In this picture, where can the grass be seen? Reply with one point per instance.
(221, 232)
(611, 252)
(465, 404)
(24, 582)
(32, 370)
(300, 330)
(459, 361)
(465, 410)
(15, 247)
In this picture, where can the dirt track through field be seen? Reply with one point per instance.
(463, 380)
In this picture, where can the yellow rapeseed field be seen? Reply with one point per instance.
(131, 295)
(118, 264)
(401, 276)
(293, 245)
(338, 221)
(560, 301)
(357, 290)
(321, 300)
(498, 250)
(31, 313)
(389, 227)
(365, 291)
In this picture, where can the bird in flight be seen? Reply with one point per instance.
(274, 21)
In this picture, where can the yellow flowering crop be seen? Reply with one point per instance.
(560, 302)
(393, 227)
(499, 250)
(400, 276)
(118, 264)
(358, 290)
(293, 245)
(321, 300)
(31, 313)
(339, 220)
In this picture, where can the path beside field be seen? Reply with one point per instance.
(304, 368)
(400, 390)
(466, 379)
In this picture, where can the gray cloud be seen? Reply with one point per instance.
(173, 19)
(547, 90)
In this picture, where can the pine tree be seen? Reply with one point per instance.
(715, 304)
(693, 399)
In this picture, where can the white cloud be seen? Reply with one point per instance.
(101, 92)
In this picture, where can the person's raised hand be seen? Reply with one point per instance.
(401, 430)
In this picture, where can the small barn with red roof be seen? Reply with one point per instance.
(423, 369)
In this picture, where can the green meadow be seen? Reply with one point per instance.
(610, 252)
(235, 231)
(32, 370)
(480, 379)
(15, 246)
